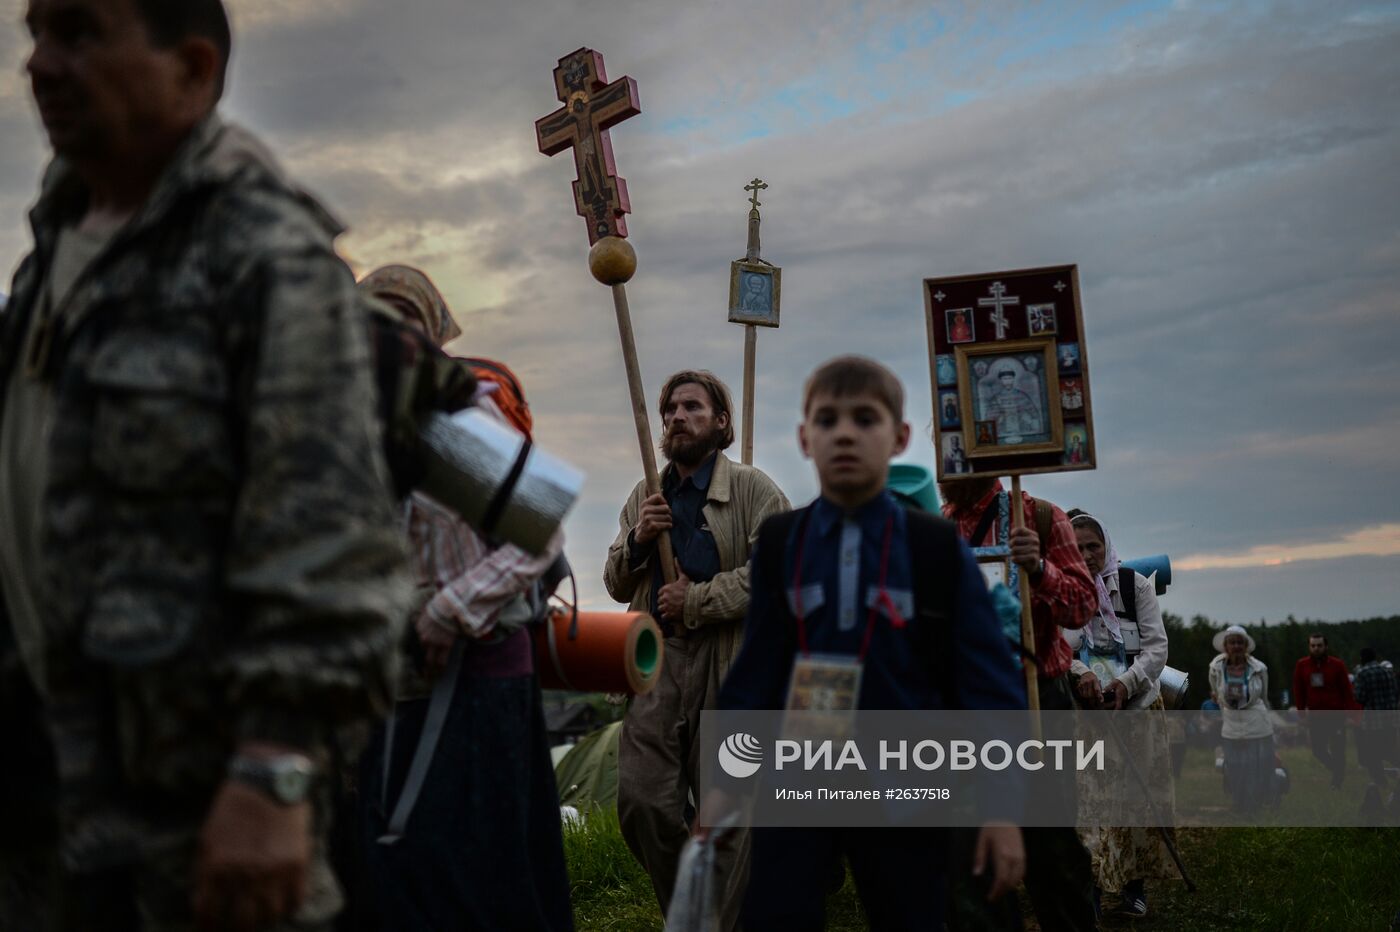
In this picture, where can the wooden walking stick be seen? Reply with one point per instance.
(591, 106)
(1028, 654)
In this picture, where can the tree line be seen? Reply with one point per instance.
(1279, 645)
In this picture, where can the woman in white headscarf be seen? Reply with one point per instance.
(1119, 656)
(1239, 683)
(1127, 655)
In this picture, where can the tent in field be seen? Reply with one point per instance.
(587, 775)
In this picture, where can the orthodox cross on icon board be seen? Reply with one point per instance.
(1000, 300)
(591, 106)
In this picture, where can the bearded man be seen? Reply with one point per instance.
(712, 508)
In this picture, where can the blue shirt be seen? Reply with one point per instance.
(900, 672)
(691, 539)
(841, 568)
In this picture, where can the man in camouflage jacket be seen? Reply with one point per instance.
(204, 589)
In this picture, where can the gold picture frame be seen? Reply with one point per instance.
(1011, 385)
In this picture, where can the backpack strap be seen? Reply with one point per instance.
(772, 547)
(438, 706)
(984, 524)
(1127, 588)
(1044, 522)
(932, 553)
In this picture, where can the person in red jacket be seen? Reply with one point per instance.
(1321, 684)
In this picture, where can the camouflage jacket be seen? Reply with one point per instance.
(220, 547)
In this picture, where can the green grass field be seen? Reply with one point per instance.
(1201, 800)
(1347, 880)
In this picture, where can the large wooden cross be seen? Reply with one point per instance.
(591, 105)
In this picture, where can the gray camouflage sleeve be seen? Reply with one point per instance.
(316, 556)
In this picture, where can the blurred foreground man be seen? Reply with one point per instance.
(201, 566)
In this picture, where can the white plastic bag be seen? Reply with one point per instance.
(693, 902)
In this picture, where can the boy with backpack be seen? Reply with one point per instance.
(898, 598)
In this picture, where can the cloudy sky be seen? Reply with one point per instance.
(1225, 176)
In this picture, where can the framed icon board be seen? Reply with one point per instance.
(1009, 373)
(755, 292)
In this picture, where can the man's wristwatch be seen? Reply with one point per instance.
(285, 778)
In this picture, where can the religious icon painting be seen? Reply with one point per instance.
(947, 370)
(1040, 319)
(954, 456)
(948, 411)
(1016, 392)
(1072, 394)
(1068, 356)
(1016, 342)
(1076, 445)
(755, 292)
(960, 325)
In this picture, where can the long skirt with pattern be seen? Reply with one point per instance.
(1119, 853)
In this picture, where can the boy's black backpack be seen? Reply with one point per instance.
(933, 544)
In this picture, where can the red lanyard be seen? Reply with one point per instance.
(896, 619)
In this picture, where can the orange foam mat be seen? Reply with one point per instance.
(613, 652)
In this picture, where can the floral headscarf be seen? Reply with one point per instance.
(411, 292)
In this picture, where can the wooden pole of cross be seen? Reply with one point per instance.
(591, 106)
(1028, 654)
(750, 331)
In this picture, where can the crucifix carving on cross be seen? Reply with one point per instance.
(591, 106)
(999, 300)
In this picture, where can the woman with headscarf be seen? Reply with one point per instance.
(1120, 654)
(482, 847)
(1239, 683)
(414, 296)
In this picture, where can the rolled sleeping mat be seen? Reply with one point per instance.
(1173, 684)
(1160, 564)
(598, 652)
(506, 488)
(913, 483)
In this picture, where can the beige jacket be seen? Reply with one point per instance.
(739, 499)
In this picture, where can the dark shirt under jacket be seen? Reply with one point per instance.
(691, 539)
(902, 669)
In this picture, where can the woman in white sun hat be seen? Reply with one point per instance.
(1239, 683)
